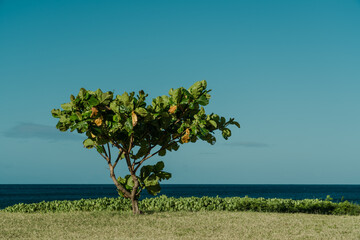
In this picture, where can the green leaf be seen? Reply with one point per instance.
(98, 93)
(130, 182)
(151, 180)
(56, 113)
(215, 117)
(150, 172)
(88, 143)
(124, 109)
(185, 101)
(165, 100)
(67, 106)
(104, 98)
(176, 95)
(78, 114)
(175, 147)
(81, 126)
(226, 133)
(153, 189)
(115, 106)
(212, 122)
(100, 149)
(197, 88)
(164, 175)
(236, 124)
(202, 100)
(126, 182)
(116, 118)
(160, 103)
(128, 125)
(86, 114)
(64, 119)
(93, 101)
(159, 166)
(142, 151)
(193, 105)
(62, 127)
(203, 131)
(74, 117)
(141, 111)
(121, 180)
(152, 175)
(82, 93)
(145, 171)
(124, 99)
(222, 121)
(211, 139)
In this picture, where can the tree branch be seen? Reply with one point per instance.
(118, 146)
(105, 157)
(121, 188)
(140, 189)
(108, 147)
(118, 158)
(128, 162)
(131, 142)
(104, 150)
(147, 157)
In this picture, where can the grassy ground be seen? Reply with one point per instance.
(177, 225)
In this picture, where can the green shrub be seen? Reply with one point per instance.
(163, 203)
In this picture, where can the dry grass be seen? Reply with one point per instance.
(177, 225)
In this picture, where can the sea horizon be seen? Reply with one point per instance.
(11, 194)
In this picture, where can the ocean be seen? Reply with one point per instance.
(30, 193)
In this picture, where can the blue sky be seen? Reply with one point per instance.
(288, 71)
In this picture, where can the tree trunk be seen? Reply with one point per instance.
(134, 197)
(135, 206)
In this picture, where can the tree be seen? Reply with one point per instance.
(139, 131)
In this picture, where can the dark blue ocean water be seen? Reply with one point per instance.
(30, 193)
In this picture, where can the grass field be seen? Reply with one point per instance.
(177, 225)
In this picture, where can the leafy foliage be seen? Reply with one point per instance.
(139, 130)
(106, 119)
(149, 178)
(163, 203)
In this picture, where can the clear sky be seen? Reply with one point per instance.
(288, 71)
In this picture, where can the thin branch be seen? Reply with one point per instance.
(147, 157)
(117, 145)
(105, 157)
(104, 150)
(128, 162)
(108, 147)
(118, 158)
(131, 142)
(179, 118)
(133, 164)
(147, 154)
(140, 189)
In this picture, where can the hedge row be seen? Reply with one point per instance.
(163, 203)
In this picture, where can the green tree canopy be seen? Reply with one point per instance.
(139, 131)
